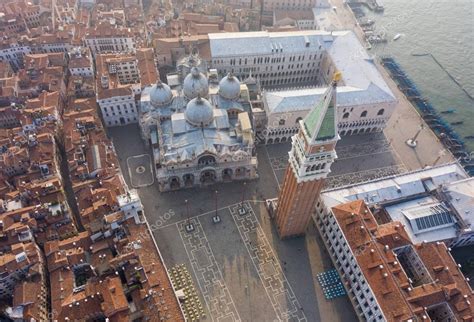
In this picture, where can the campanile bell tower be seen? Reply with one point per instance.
(310, 158)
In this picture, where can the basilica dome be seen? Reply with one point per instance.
(199, 112)
(160, 94)
(229, 87)
(195, 84)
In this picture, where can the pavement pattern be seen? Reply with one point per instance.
(213, 288)
(278, 289)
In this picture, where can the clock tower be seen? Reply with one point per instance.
(310, 158)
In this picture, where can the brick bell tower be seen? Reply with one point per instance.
(310, 158)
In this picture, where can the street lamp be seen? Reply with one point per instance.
(242, 210)
(189, 226)
(412, 142)
(216, 219)
(440, 154)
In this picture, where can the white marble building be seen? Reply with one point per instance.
(291, 59)
(286, 60)
(118, 107)
(200, 133)
(275, 58)
(270, 5)
(357, 110)
(106, 39)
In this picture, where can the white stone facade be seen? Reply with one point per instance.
(118, 110)
(285, 108)
(273, 65)
(126, 71)
(54, 47)
(14, 54)
(82, 71)
(110, 45)
(269, 5)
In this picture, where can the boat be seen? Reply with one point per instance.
(460, 154)
(432, 118)
(433, 122)
(450, 111)
(457, 123)
(469, 137)
(469, 168)
(376, 38)
(397, 36)
(456, 147)
(366, 22)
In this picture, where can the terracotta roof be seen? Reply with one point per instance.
(372, 246)
(357, 223)
(146, 66)
(107, 31)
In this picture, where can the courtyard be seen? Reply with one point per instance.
(240, 267)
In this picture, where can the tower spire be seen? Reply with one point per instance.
(320, 124)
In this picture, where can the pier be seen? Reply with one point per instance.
(374, 5)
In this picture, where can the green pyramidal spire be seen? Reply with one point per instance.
(320, 123)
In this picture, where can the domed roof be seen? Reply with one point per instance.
(160, 94)
(229, 87)
(199, 112)
(195, 84)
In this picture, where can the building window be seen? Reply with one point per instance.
(363, 114)
(281, 122)
(381, 111)
(345, 116)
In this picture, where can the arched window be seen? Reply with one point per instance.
(381, 111)
(206, 160)
(281, 122)
(363, 114)
(345, 116)
(298, 120)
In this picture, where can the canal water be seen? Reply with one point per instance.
(445, 29)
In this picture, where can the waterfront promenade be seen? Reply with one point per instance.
(405, 121)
